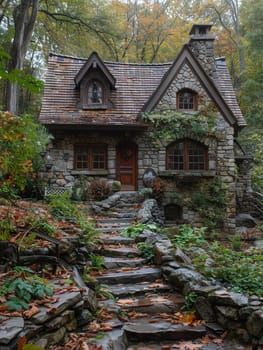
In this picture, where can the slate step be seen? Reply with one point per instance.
(115, 239)
(121, 290)
(127, 252)
(116, 263)
(143, 330)
(109, 229)
(147, 306)
(134, 276)
(114, 220)
(124, 214)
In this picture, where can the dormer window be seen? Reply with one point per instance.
(95, 93)
(95, 83)
(186, 100)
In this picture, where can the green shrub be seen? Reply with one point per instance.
(23, 287)
(62, 207)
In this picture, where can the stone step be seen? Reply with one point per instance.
(145, 330)
(114, 220)
(106, 229)
(139, 275)
(115, 239)
(146, 305)
(124, 214)
(110, 251)
(119, 262)
(121, 290)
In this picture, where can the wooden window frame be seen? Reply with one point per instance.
(89, 148)
(84, 96)
(194, 96)
(186, 164)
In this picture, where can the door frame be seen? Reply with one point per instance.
(119, 147)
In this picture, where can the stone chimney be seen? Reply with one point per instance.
(202, 45)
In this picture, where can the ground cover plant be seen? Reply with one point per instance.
(240, 271)
(21, 287)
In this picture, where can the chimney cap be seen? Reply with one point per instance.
(200, 29)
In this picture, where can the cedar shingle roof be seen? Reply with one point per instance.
(135, 84)
(224, 85)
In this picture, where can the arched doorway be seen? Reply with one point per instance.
(127, 165)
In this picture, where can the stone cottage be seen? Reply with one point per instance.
(177, 121)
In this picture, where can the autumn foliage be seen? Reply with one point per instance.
(21, 141)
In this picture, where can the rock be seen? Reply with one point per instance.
(150, 213)
(144, 330)
(180, 277)
(245, 220)
(66, 300)
(228, 312)
(116, 339)
(181, 257)
(61, 320)
(223, 297)
(204, 309)
(255, 323)
(9, 328)
(52, 338)
(148, 177)
(162, 248)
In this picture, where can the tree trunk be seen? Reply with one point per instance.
(24, 15)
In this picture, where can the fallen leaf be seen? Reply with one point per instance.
(29, 313)
(125, 302)
(94, 326)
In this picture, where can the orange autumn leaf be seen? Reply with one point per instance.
(29, 313)
(21, 342)
(125, 302)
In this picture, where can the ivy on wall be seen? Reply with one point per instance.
(170, 125)
(211, 204)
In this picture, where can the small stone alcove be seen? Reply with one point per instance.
(173, 213)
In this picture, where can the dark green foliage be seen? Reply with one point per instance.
(62, 207)
(237, 270)
(136, 230)
(23, 287)
(171, 125)
(211, 204)
(146, 250)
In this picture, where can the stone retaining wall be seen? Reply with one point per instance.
(237, 313)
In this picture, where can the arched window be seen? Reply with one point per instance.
(187, 155)
(187, 100)
(95, 92)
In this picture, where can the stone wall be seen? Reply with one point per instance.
(220, 308)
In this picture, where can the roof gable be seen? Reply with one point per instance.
(187, 57)
(94, 62)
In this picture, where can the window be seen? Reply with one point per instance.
(95, 93)
(91, 157)
(187, 100)
(186, 155)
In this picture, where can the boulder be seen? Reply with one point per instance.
(245, 220)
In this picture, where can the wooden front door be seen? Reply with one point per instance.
(127, 165)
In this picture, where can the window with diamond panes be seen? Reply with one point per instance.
(186, 155)
(91, 157)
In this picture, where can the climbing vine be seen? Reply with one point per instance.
(211, 204)
(170, 125)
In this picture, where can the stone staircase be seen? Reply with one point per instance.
(145, 310)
